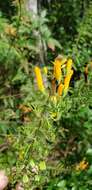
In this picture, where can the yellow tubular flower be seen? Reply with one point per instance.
(67, 81)
(59, 61)
(57, 70)
(69, 66)
(39, 79)
(60, 89)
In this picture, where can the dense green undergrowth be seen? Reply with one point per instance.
(53, 149)
(45, 139)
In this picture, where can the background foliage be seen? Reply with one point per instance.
(45, 143)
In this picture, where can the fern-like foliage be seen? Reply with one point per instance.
(82, 48)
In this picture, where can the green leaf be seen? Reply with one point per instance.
(62, 184)
(90, 170)
(37, 178)
(89, 152)
(32, 164)
(25, 179)
(42, 165)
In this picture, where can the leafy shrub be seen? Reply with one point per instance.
(45, 133)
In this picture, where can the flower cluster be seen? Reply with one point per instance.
(82, 165)
(62, 73)
(61, 64)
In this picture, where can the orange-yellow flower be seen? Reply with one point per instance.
(82, 165)
(10, 30)
(57, 70)
(39, 79)
(69, 66)
(59, 61)
(67, 81)
(60, 89)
